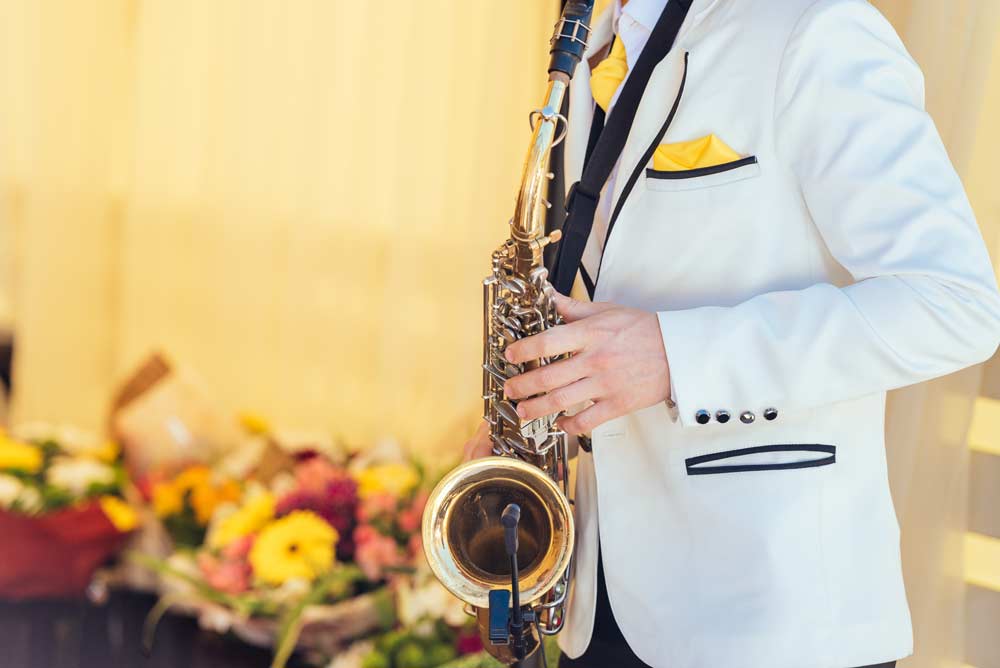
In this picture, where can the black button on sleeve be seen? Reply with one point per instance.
(702, 417)
(770, 413)
(722, 416)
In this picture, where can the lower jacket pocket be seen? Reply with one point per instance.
(762, 458)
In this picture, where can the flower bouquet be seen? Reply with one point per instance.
(307, 561)
(62, 509)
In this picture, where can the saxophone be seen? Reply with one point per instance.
(498, 532)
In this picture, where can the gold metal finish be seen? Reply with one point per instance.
(464, 540)
(462, 533)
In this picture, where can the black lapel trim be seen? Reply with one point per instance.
(587, 281)
(701, 171)
(646, 157)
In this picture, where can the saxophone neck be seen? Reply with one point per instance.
(528, 225)
(548, 129)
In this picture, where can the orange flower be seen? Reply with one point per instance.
(206, 497)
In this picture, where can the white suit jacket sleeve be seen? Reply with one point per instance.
(876, 178)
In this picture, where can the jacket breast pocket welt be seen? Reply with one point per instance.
(777, 457)
(703, 177)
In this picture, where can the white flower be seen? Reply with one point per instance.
(10, 490)
(283, 483)
(15, 494)
(77, 474)
(421, 599)
(77, 441)
(30, 501)
(70, 439)
(291, 591)
(35, 431)
(215, 618)
(353, 656)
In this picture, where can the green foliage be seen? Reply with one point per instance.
(428, 646)
(184, 528)
(484, 660)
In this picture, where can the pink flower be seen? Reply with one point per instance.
(409, 521)
(229, 576)
(314, 473)
(410, 518)
(375, 505)
(415, 546)
(375, 552)
(239, 549)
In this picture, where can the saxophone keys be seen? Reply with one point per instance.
(515, 286)
(506, 410)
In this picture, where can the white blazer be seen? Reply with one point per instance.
(838, 260)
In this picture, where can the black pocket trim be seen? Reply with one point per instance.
(702, 171)
(693, 463)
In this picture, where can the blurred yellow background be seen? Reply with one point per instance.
(299, 200)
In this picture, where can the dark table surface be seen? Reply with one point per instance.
(79, 634)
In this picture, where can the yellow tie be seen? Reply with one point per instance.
(608, 75)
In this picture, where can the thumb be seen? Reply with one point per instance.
(574, 309)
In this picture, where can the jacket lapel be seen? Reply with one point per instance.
(657, 99)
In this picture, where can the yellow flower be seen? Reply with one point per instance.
(107, 452)
(254, 514)
(120, 514)
(255, 423)
(18, 456)
(168, 499)
(395, 479)
(299, 545)
(206, 497)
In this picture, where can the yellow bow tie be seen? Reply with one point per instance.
(608, 75)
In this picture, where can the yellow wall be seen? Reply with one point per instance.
(297, 198)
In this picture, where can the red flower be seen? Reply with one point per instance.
(468, 642)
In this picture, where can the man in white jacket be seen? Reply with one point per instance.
(781, 241)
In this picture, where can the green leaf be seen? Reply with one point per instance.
(161, 608)
(291, 622)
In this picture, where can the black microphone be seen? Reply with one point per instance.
(510, 518)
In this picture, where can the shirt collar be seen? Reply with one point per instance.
(644, 12)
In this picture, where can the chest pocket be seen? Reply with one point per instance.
(703, 177)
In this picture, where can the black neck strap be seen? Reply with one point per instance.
(604, 150)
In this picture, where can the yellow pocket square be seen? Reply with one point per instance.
(708, 151)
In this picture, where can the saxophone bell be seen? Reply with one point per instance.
(463, 537)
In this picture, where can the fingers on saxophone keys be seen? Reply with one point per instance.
(557, 400)
(556, 341)
(544, 379)
(572, 309)
(591, 418)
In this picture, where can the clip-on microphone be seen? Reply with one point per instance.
(505, 624)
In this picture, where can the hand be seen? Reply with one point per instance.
(479, 445)
(618, 363)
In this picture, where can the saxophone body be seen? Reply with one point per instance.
(463, 535)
